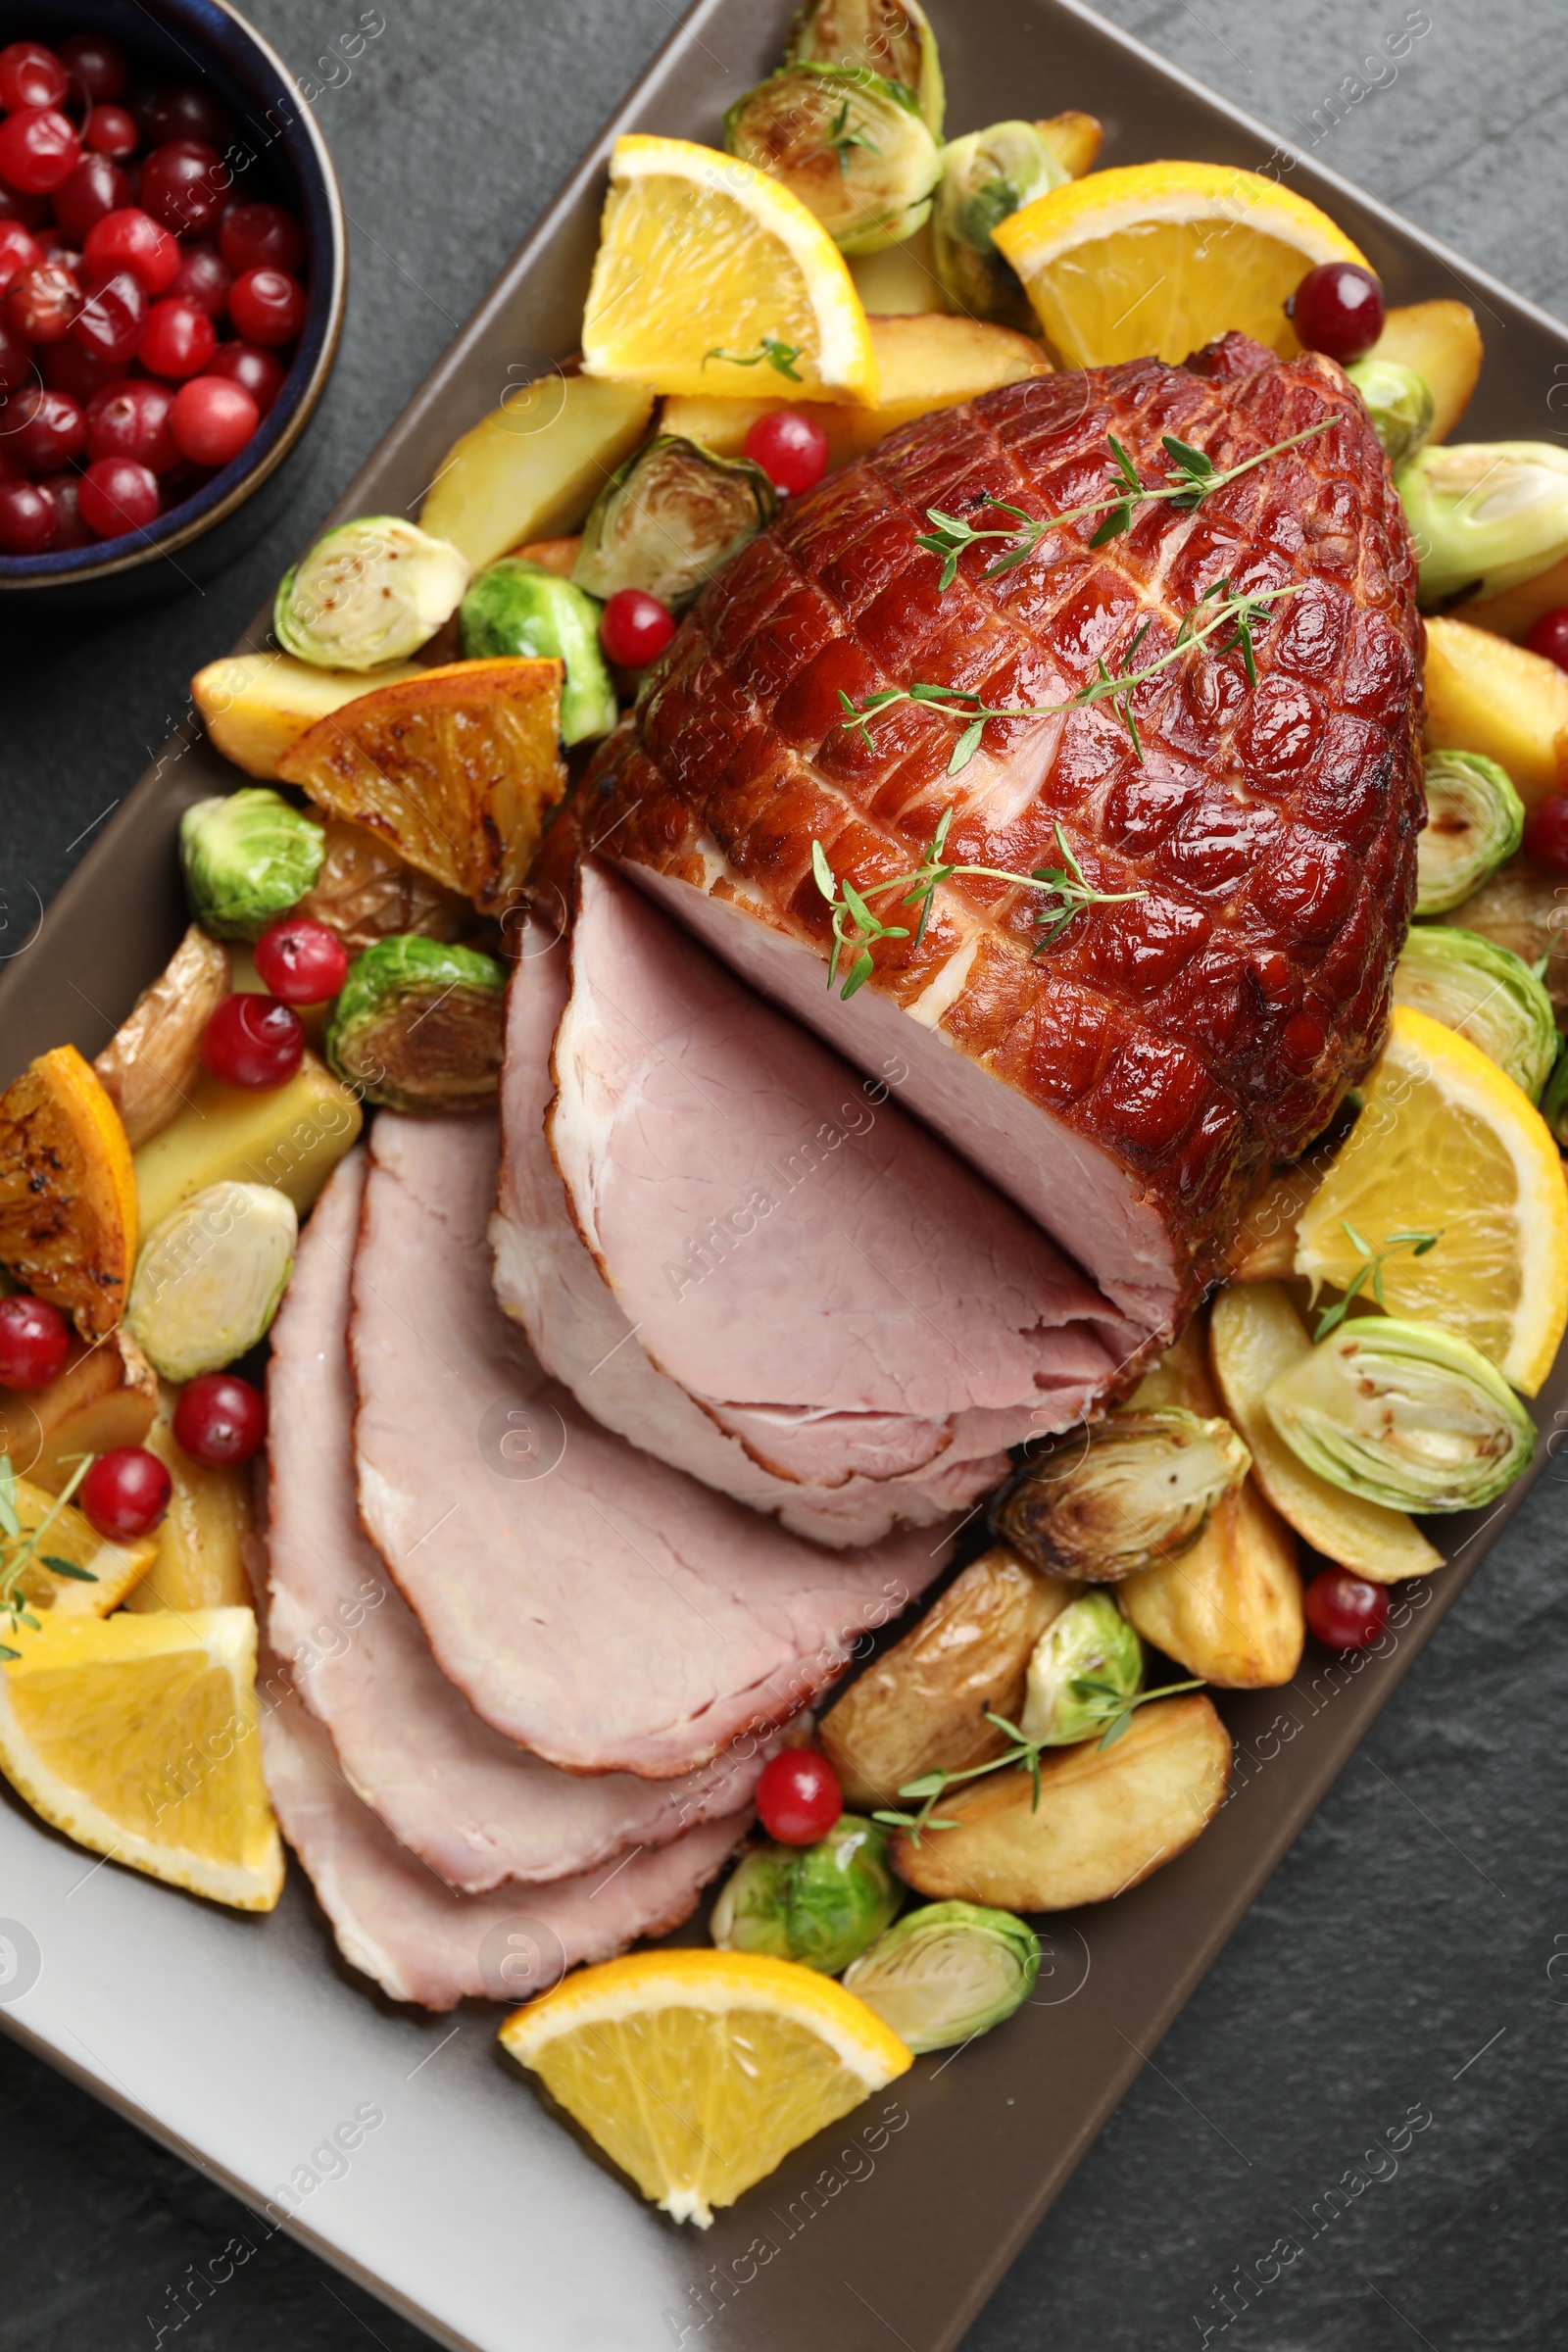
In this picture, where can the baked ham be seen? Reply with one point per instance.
(1125, 1084)
(749, 1261)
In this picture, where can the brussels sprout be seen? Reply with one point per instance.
(247, 856)
(1090, 1642)
(1474, 821)
(518, 608)
(1400, 404)
(890, 37)
(1485, 993)
(985, 178)
(1136, 1487)
(1485, 514)
(669, 519)
(208, 1278)
(948, 1972)
(418, 1026)
(819, 1904)
(851, 146)
(1402, 1414)
(370, 590)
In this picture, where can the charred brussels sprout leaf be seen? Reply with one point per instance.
(209, 1276)
(1486, 516)
(1082, 1665)
(247, 856)
(669, 519)
(370, 590)
(1485, 993)
(518, 608)
(1402, 1414)
(890, 37)
(851, 146)
(1554, 1099)
(985, 178)
(1475, 822)
(819, 1904)
(1400, 404)
(948, 1972)
(1136, 1487)
(418, 1026)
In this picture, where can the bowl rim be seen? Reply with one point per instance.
(150, 545)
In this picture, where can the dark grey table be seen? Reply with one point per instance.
(1405, 1976)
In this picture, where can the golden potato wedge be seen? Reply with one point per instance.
(1442, 342)
(1074, 139)
(1228, 1609)
(106, 1397)
(1256, 1334)
(559, 556)
(292, 1135)
(1263, 1245)
(366, 892)
(1486, 695)
(1181, 1376)
(533, 466)
(1516, 613)
(151, 1063)
(923, 1703)
(1106, 1816)
(256, 704)
(900, 281)
(200, 1563)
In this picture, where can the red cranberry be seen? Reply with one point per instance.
(38, 149)
(1546, 835)
(131, 239)
(1346, 1611)
(130, 419)
(634, 627)
(302, 961)
(19, 250)
(203, 277)
(113, 322)
(1550, 636)
(179, 339)
(96, 188)
(31, 75)
(68, 368)
(791, 449)
(212, 420)
(109, 130)
(260, 236)
(220, 1419)
(31, 211)
(183, 185)
(268, 305)
(70, 529)
(45, 429)
(253, 1041)
(17, 365)
(43, 303)
(260, 371)
(126, 1494)
(35, 1341)
(117, 494)
(28, 518)
(1338, 308)
(95, 64)
(798, 1797)
(184, 112)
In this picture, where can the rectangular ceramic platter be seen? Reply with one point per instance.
(243, 2042)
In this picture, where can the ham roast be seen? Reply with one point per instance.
(754, 1265)
(1126, 1084)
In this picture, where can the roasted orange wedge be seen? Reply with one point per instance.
(68, 1190)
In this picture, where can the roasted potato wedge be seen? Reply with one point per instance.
(1442, 342)
(106, 1397)
(1516, 613)
(1182, 1375)
(899, 282)
(364, 892)
(1228, 1609)
(1486, 695)
(923, 1703)
(1263, 1245)
(292, 1135)
(1106, 1816)
(256, 704)
(200, 1562)
(534, 466)
(152, 1061)
(1074, 139)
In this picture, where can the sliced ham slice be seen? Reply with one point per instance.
(475, 1807)
(751, 1261)
(592, 1604)
(420, 1942)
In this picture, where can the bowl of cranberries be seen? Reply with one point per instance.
(172, 278)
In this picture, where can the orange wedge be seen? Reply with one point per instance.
(68, 1190)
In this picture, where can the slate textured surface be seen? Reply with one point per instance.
(1354, 2137)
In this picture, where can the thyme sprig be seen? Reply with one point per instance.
(841, 139)
(1107, 1705)
(856, 928)
(20, 1548)
(1194, 477)
(779, 356)
(1370, 1270)
(1215, 609)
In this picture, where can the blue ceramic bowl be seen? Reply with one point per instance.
(205, 42)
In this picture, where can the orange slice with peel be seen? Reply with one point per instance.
(68, 1191)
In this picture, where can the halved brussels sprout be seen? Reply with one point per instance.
(1400, 404)
(418, 1026)
(1134, 1489)
(948, 1972)
(891, 37)
(819, 1904)
(1485, 993)
(1090, 1642)
(208, 1278)
(985, 178)
(1402, 1414)
(370, 590)
(518, 608)
(1474, 821)
(851, 146)
(247, 856)
(1484, 516)
(670, 517)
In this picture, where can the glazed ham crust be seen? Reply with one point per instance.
(1211, 1022)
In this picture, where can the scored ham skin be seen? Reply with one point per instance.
(1127, 1084)
(478, 1809)
(589, 1603)
(821, 1311)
